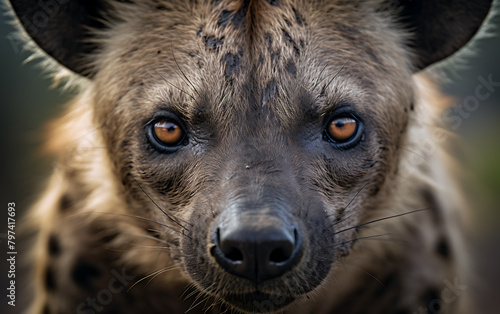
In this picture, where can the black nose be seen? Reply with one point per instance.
(258, 250)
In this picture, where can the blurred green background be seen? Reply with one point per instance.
(27, 102)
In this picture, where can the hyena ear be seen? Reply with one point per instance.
(440, 27)
(61, 28)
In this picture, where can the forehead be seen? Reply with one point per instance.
(266, 55)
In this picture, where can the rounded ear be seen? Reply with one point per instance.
(440, 27)
(61, 28)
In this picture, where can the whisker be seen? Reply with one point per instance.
(137, 217)
(158, 206)
(161, 248)
(147, 236)
(182, 72)
(216, 302)
(341, 212)
(318, 81)
(162, 272)
(381, 219)
(195, 302)
(143, 278)
(338, 72)
(192, 97)
(191, 294)
(366, 272)
(190, 286)
(362, 238)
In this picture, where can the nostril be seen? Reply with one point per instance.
(285, 251)
(279, 256)
(234, 255)
(231, 253)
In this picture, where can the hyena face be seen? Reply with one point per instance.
(254, 142)
(257, 133)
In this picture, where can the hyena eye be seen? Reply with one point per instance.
(166, 134)
(344, 131)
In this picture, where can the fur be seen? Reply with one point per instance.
(255, 82)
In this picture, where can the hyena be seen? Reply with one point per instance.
(249, 156)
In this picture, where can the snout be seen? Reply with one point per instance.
(256, 246)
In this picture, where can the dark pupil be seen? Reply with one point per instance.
(340, 124)
(171, 127)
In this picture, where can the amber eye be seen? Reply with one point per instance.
(166, 134)
(344, 131)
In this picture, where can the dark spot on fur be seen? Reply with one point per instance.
(236, 19)
(162, 7)
(245, 87)
(212, 43)
(291, 68)
(109, 237)
(50, 281)
(275, 58)
(348, 32)
(433, 205)
(261, 59)
(54, 246)
(298, 17)
(403, 312)
(273, 2)
(288, 38)
(288, 22)
(239, 17)
(296, 50)
(46, 309)
(373, 56)
(66, 203)
(443, 248)
(158, 52)
(224, 18)
(269, 92)
(390, 281)
(302, 43)
(269, 40)
(232, 64)
(174, 26)
(83, 274)
(412, 107)
(200, 32)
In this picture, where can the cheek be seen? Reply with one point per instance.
(333, 172)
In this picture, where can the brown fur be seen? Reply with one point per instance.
(253, 80)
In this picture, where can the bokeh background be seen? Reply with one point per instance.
(27, 102)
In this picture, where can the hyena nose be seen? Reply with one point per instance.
(257, 252)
